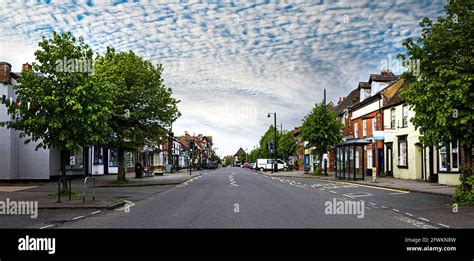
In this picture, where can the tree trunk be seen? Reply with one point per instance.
(62, 160)
(121, 164)
(467, 169)
(85, 151)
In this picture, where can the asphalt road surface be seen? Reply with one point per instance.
(240, 198)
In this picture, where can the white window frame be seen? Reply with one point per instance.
(405, 112)
(364, 128)
(370, 160)
(450, 151)
(374, 124)
(356, 130)
(401, 156)
(393, 118)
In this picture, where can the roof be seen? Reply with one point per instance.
(354, 142)
(386, 92)
(364, 85)
(392, 95)
(239, 152)
(382, 78)
(351, 99)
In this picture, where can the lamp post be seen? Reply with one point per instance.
(274, 140)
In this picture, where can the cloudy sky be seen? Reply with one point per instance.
(232, 62)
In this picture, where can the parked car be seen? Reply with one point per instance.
(252, 165)
(245, 165)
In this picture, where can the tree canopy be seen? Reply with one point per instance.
(321, 132)
(144, 108)
(441, 94)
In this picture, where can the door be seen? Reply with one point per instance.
(389, 152)
(379, 161)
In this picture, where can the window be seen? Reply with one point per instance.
(113, 160)
(364, 128)
(405, 116)
(356, 130)
(392, 118)
(128, 158)
(402, 152)
(357, 159)
(449, 157)
(74, 159)
(98, 155)
(370, 160)
(374, 124)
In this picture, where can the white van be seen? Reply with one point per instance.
(266, 164)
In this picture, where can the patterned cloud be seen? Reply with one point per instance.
(232, 62)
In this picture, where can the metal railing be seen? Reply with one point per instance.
(85, 186)
(59, 187)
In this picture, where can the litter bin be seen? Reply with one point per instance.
(138, 170)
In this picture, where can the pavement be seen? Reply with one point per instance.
(46, 192)
(384, 182)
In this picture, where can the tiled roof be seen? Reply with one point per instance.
(382, 78)
(350, 100)
(392, 95)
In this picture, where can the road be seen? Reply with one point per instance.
(240, 198)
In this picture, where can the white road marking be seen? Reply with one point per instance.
(48, 226)
(408, 214)
(443, 225)
(383, 207)
(348, 196)
(396, 210)
(373, 204)
(415, 222)
(334, 192)
(79, 217)
(362, 194)
(424, 219)
(96, 212)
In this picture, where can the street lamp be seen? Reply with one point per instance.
(274, 140)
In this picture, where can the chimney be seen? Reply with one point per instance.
(25, 67)
(5, 69)
(340, 100)
(386, 72)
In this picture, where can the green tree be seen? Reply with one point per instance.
(143, 109)
(321, 132)
(254, 155)
(441, 94)
(286, 145)
(69, 106)
(215, 158)
(228, 160)
(265, 139)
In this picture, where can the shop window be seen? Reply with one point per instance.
(75, 159)
(128, 158)
(98, 155)
(370, 160)
(449, 157)
(113, 160)
(402, 151)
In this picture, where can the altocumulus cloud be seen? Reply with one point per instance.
(232, 62)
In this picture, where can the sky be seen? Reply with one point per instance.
(230, 63)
